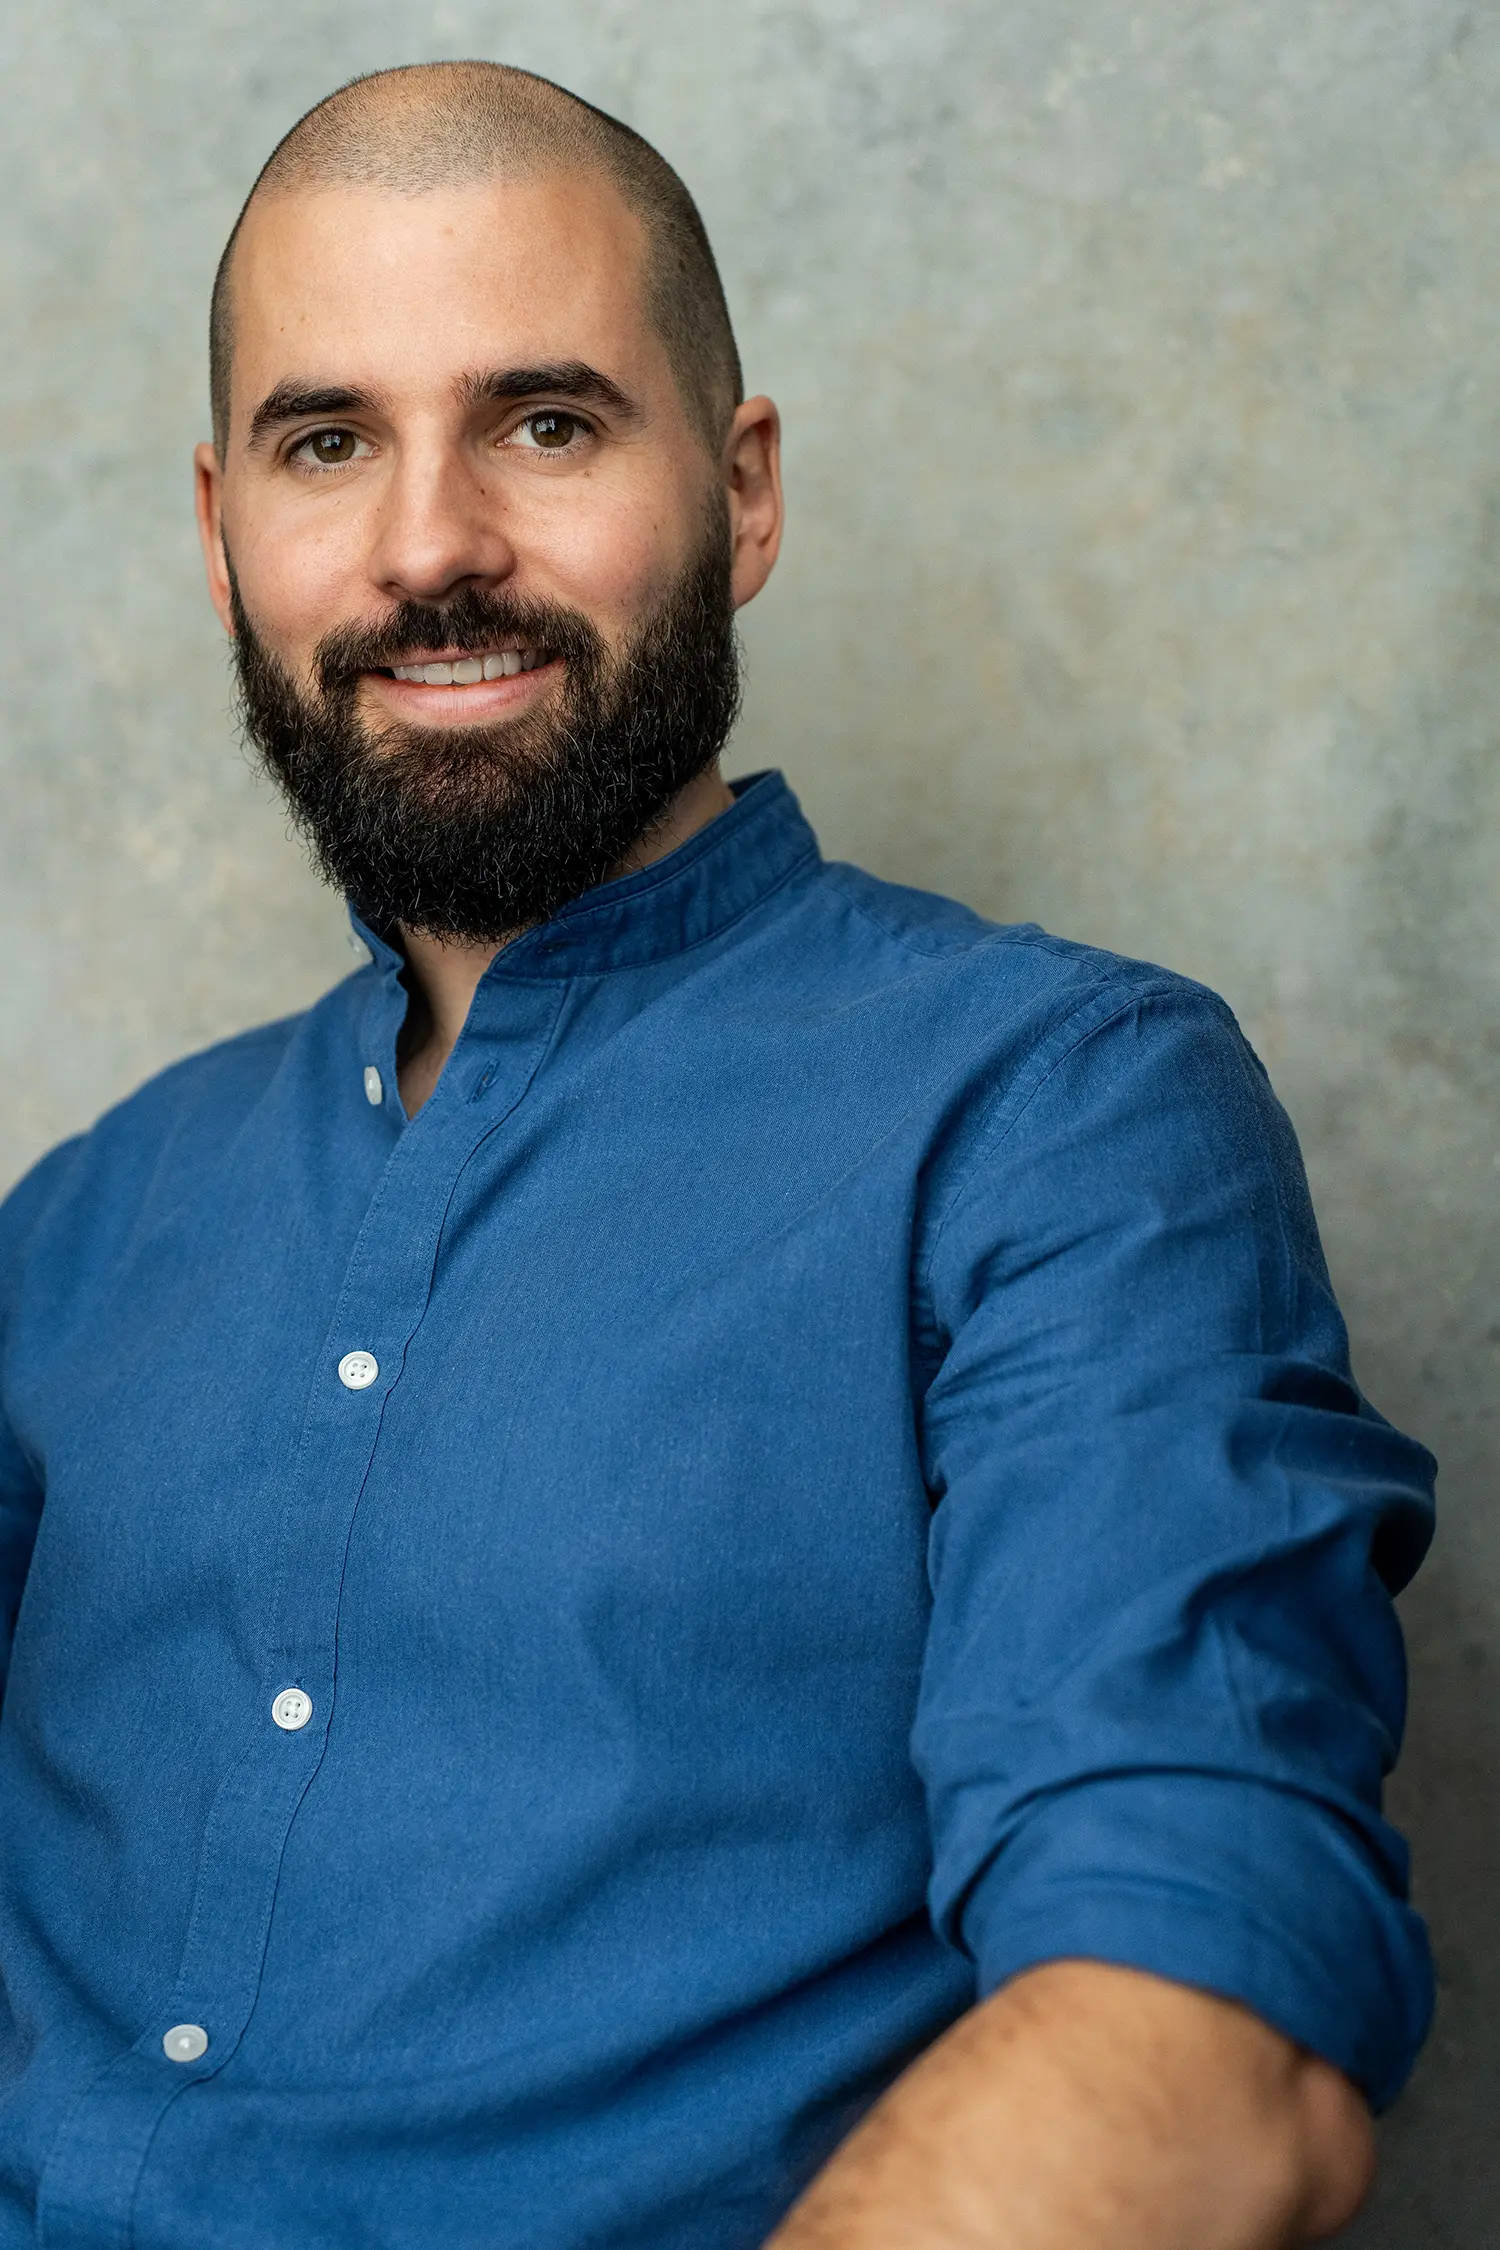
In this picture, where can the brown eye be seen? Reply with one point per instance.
(553, 431)
(330, 448)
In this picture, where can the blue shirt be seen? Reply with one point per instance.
(820, 1469)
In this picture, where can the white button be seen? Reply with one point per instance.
(292, 1709)
(185, 2042)
(358, 948)
(374, 1091)
(358, 1370)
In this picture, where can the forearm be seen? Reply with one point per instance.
(1084, 2107)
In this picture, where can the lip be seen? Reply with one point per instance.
(459, 706)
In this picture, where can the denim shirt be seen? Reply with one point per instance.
(554, 1645)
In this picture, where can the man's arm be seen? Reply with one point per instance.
(1084, 2107)
(1163, 1680)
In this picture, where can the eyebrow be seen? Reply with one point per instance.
(568, 378)
(294, 398)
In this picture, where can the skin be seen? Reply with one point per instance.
(1081, 2105)
(402, 298)
(1084, 2107)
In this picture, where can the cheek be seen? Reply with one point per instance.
(300, 579)
(612, 559)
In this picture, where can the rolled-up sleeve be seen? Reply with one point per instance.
(1164, 1678)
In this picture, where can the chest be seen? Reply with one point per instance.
(637, 1392)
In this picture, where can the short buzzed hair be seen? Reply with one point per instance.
(433, 125)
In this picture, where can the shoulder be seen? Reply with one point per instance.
(214, 1080)
(197, 1101)
(1055, 1071)
(1018, 973)
(209, 1091)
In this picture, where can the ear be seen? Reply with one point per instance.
(208, 504)
(752, 477)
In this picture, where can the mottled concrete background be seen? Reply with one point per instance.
(1141, 370)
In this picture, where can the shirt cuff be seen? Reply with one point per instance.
(1246, 1891)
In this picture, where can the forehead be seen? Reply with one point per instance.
(401, 292)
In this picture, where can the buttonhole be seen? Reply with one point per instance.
(483, 1083)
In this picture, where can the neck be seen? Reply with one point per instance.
(441, 975)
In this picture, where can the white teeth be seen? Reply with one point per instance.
(465, 670)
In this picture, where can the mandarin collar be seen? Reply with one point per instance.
(681, 900)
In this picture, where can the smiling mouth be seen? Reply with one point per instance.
(466, 670)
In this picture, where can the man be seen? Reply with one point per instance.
(699, 1565)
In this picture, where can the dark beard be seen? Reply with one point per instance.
(472, 833)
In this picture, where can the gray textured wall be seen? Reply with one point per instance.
(1141, 368)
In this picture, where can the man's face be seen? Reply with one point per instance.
(457, 444)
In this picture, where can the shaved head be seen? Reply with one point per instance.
(443, 125)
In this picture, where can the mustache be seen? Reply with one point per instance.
(473, 622)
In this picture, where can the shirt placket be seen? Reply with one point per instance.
(88, 2186)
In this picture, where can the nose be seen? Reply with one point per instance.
(438, 529)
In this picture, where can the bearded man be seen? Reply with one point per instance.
(699, 1565)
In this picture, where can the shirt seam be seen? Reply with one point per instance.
(1027, 934)
(1044, 1059)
